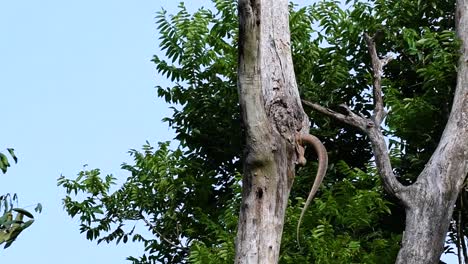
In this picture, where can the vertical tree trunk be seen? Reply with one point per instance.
(430, 200)
(272, 116)
(428, 216)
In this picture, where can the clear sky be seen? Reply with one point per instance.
(76, 87)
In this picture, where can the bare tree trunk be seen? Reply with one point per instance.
(431, 199)
(272, 114)
(429, 209)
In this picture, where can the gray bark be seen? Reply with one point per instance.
(272, 116)
(430, 200)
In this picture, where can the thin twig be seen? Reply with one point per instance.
(161, 235)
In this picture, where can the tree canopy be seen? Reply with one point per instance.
(182, 203)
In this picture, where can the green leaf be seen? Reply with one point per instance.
(4, 162)
(24, 212)
(3, 167)
(38, 208)
(12, 153)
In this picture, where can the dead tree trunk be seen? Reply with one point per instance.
(272, 116)
(430, 200)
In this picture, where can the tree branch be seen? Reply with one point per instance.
(377, 69)
(371, 126)
(153, 227)
(382, 161)
(379, 147)
(351, 118)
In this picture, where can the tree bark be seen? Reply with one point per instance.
(272, 116)
(429, 207)
(431, 199)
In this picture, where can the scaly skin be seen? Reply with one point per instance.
(322, 168)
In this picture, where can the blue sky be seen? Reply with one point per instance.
(76, 87)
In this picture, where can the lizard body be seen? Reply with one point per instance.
(322, 168)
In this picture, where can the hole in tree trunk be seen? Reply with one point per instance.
(259, 193)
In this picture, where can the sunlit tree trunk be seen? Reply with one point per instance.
(272, 116)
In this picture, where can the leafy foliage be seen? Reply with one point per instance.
(337, 226)
(12, 221)
(10, 225)
(418, 84)
(164, 192)
(182, 204)
(201, 60)
(4, 163)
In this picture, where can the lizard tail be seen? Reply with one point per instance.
(322, 169)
